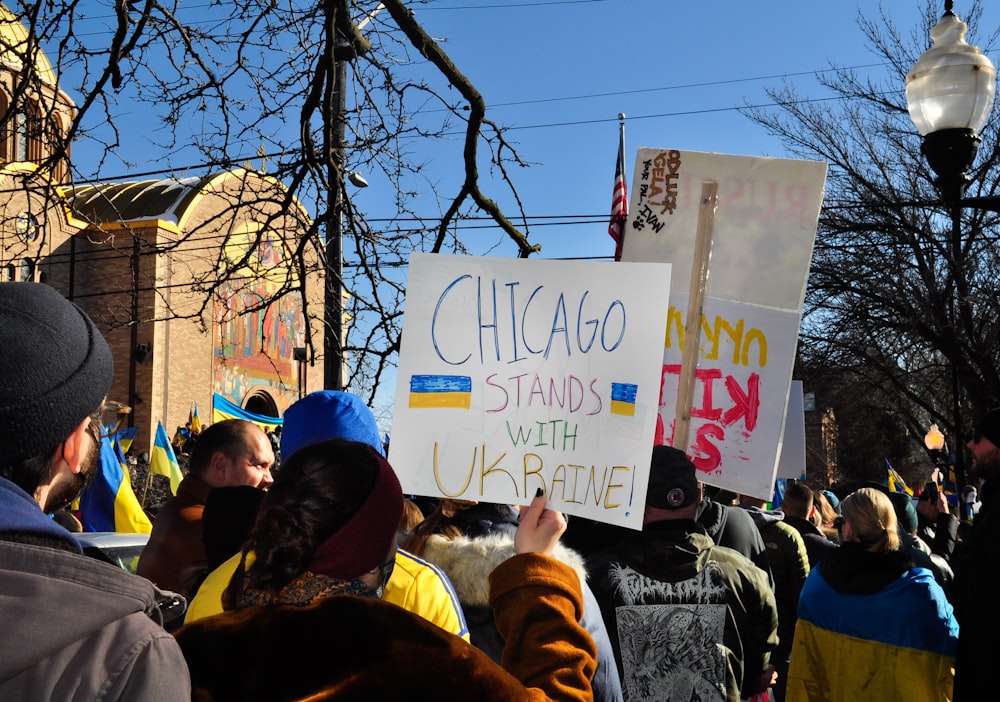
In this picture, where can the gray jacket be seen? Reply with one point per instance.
(74, 628)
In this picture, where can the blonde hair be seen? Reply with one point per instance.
(872, 519)
(824, 515)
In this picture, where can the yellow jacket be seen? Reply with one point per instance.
(416, 585)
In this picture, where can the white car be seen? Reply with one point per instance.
(119, 549)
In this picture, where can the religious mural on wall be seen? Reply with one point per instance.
(253, 349)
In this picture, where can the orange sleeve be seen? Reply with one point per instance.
(537, 603)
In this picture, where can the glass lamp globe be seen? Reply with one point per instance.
(934, 439)
(952, 85)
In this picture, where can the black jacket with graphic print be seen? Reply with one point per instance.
(685, 616)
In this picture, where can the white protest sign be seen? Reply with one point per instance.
(522, 374)
(792, 461)
(762, 236)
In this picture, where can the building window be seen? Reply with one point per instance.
(27, 270)
(21, 136)
(27, 227)
(5, 140)
(11, 272)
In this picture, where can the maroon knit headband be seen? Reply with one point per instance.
(363, 542)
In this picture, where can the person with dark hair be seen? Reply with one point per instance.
(274, 436)
(468, 540)
(871, 626)
(305, 601)
(416, 584)
(688, 619)
(231, 452)
(798, 506)
(911, 544)
(293, 535)
(73, 627)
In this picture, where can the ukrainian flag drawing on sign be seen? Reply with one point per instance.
(623, 399)
(441, 391)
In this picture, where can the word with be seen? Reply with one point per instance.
(744, 404)
(560, 434)
(566, 393)
(523, 318)
(712, 333)
(576, 484)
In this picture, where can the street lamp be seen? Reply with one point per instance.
(949, 94)
(936, 446)
(934, 439)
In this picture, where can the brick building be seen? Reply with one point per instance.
(189, 279)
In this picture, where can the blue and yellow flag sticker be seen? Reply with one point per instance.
(441, 391)
(623, 399)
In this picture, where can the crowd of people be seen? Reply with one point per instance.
(321, 580)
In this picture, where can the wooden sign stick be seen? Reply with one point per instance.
(692, 326)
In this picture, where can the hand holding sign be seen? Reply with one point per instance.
(538, 529)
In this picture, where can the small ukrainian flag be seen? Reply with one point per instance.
(441, 391)
(623, 399)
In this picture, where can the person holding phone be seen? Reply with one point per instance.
(936, 525)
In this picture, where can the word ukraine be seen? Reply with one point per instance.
(609, 487)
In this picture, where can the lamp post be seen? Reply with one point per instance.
(949, 94)
(936, 446)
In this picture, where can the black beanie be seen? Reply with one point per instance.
(55, 369)
(673, 479)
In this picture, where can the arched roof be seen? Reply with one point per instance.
(168, 200)
(136, 200)
(16, 43)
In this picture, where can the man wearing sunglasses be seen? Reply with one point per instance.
(977, 572)
(74, 628)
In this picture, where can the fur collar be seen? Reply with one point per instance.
(468, 562)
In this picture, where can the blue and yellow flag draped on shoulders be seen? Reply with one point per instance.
(163, 461)
(109, 503)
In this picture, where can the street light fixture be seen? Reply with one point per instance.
(937, 448)
(934, 439)
(949, 94)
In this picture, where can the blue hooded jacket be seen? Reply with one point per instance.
(20, 513)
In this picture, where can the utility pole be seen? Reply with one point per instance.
(334, 114)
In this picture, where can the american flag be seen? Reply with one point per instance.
(619, 199)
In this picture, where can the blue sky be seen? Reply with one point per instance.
(559, 72)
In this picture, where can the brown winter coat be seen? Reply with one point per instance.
(176, 546)
(349, 648)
